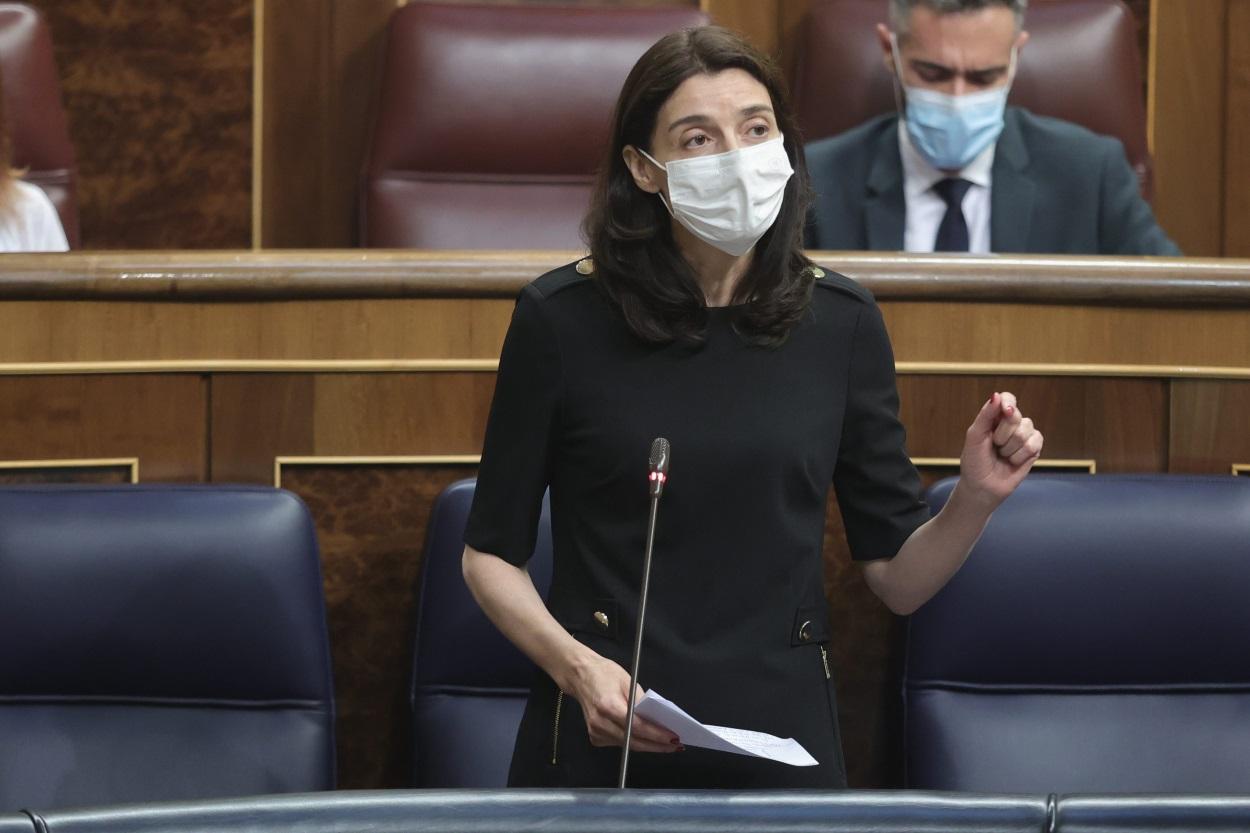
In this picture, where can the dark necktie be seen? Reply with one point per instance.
(952, 235)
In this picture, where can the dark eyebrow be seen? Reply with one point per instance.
(932, 67)
(699, 118)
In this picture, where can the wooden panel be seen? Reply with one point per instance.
(1208, 430)
(1119, 423)
(1237, 133)
(758, 20)
(317, 108)
(256, 419)
(371, 522)
(159, 100)
(259, 418)
(95, 331)
(159, 419)
(1055, 334)
(1187, 79)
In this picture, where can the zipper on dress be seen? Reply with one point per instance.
(824, 660)
(555, 729)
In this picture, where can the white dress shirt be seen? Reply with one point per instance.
(925, 209)
(29, 222)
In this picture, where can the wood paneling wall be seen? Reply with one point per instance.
(1188, 129)
(1237, 133)
(159, 98)
(178, 148)
(377, 375)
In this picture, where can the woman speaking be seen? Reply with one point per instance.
(698, 318)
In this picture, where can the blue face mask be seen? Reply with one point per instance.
(949, 131)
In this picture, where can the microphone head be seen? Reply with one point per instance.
(660, 454)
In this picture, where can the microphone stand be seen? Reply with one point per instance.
(659, 474)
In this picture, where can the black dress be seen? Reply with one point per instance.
(736, 626)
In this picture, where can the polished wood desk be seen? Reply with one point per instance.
(361, 381)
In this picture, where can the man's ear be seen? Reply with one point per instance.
(646, 174)
(887, 47)
(1021, 40)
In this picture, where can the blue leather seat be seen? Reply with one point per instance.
(1095, 641)
(574, 811)
(469, 683)
(160, 643)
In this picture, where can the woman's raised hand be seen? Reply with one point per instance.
(1000, 447)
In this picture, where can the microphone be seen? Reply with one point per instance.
(658, 465)
(657, 476)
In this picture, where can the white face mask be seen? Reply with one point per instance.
(730, 199)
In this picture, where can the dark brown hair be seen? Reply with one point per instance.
(630, 232)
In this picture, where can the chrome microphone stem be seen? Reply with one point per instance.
(642, 614)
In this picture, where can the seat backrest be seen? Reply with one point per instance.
(160, 643)
(469, 683)
(572, 811)
(32, 107)
(16, 823)
(1095, 641)
(494, 118)
(1156, 813)
(1081, 64)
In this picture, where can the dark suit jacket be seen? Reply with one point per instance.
(1057, 189)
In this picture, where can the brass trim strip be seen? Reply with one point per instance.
(373, 460)
(1163, 371)
(1241, 469)
(463, 365)
(1090, 466)
(131, 463)
(251, 366)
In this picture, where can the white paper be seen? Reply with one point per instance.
(658, 710)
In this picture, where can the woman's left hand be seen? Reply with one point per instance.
(999, 449)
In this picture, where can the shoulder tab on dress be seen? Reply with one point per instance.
(571, 274)
(843, 284)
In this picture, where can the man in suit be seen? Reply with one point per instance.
(960, 171)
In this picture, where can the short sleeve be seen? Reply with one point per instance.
(516, 455)
(36, 225)
(878, 488)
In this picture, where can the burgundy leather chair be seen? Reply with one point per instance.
(1082, 64)
(32, 107)
(494, 118)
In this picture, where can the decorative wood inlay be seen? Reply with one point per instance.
(112, 470)
(371, 515)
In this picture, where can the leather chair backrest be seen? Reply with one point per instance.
(1095, 641)
(494, 118)
(160, 643)
(17, 823)
(574, 811)
(32, 107)
(1081, 64)
(469, 683)
(1155, 813)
